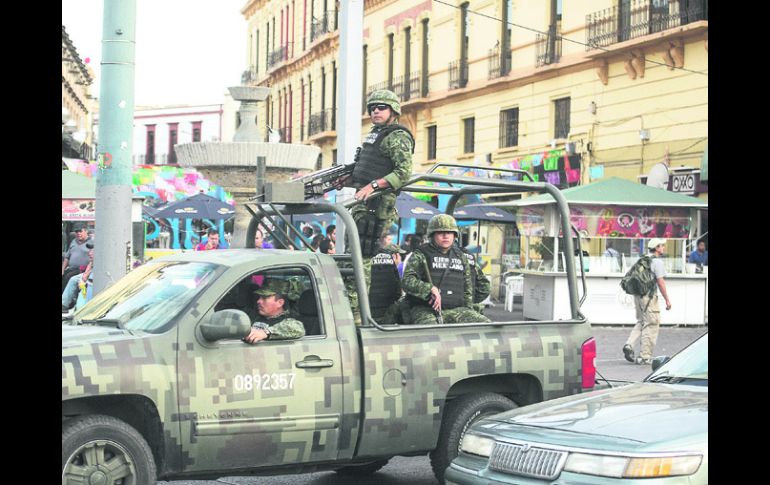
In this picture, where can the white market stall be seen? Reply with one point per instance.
(610, 213)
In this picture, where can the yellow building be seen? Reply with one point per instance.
(489, 81)
(76, 101)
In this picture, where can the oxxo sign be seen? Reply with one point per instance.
(683, 183)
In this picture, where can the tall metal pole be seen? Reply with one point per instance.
(350, 84)
(112, 250)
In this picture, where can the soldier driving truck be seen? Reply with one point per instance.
(158, 383)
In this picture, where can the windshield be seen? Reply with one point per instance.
(691, 363)
(149, 297)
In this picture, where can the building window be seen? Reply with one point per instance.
(432, 142)
(150, 145)
(391, 54)
(196, 129)
(509, 127)
(505, 57)
(407, 59)
(334, 157)
(256, 51)
(334, 95)
(468, 138)
(363, 68)
(465, 27)
(561, 117)
(173, 130)
(323, 89)
(424, 81)
(302, 110)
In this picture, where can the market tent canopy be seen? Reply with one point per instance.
(76, 186)
(613, 191)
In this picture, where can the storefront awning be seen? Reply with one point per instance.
(76, 186)
(612, 191)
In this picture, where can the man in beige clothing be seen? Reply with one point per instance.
(647, 309)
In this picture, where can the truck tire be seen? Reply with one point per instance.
(98, 448)
(361, 470)
(460, 414)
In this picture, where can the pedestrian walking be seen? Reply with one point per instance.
(647, 308)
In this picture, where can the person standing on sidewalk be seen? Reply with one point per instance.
(647, 309)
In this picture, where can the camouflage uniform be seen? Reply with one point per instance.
(481, 285)
(282, 326)
(416, 285)
(396, 147)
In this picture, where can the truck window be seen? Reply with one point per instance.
(302, 300)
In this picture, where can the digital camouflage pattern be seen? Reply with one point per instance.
(385, 96)
(285, 328)
(211, 408)
(415, 283)
(443, 223)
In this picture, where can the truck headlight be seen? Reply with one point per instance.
(477, 445)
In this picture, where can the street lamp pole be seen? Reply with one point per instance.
(112, 251)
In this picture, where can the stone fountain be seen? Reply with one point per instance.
(233, 165)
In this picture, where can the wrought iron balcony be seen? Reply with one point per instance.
(277, 56)
(458, 74)
(324, 25)
(499, 65)
(637, 18)
(322, 121)
(548, 47)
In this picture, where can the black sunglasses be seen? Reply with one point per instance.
(381, 107)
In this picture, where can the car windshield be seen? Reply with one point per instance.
(691, 363)
(149, 297)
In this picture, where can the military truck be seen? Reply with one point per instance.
(157, 383)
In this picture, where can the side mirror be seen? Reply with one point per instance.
(657, 362)
(226, 324)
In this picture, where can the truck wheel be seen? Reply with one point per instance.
(460, 414)
(361, 470)
(102, 449)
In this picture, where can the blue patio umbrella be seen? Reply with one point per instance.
(198, 206)
(483, 212)
(410, 207)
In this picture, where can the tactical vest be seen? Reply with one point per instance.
(452, 285)
(385, 287)
(372, 163)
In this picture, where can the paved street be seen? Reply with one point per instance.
(417, 471)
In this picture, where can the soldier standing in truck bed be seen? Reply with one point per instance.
(384, 161)
(438, 278)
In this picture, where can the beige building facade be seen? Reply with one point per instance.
(614, 82)
(76, 100)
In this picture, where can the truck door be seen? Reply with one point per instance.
(275, 402)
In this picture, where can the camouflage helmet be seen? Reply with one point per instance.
(443, 223)
(273, 287)
(384, 96)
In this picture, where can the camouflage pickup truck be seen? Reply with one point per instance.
(157, 382)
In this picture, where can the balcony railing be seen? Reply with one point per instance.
(321, 121)
(408, 88)
(276, 56)
(637, 18)
(548, 48)
(324, 25)
(499, 65)
(458, 74)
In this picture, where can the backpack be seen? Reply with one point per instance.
(639, 280)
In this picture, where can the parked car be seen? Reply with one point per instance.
(656, 428)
